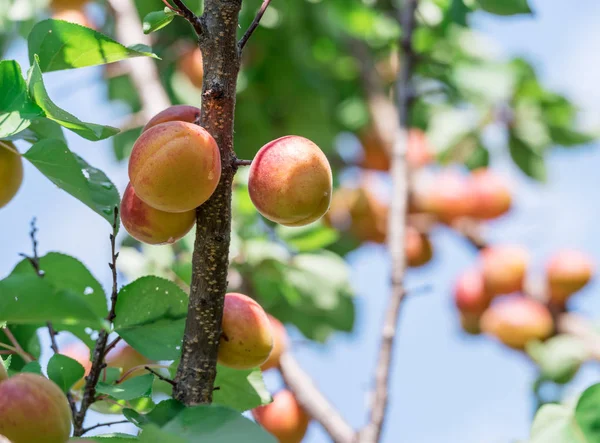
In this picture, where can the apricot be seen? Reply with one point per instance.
(33, 409)
(290, 181)
(515, 320)
(175, 166)
(190, 63)
(417, 247)
(418, 150)
(469, 293)
(76, 16)
(280, 344)
(504, 268)
(376, 152)
(449, 196)
(125, 357)
(247, 338)
(491, 193)
(67, 4)
(150, 225)
(284, 418)
(182, 113)
(567, 272)
(79, 352)
(11, 172)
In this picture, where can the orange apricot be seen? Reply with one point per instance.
(76, 16)
(175, 166)
(280, 343)
(491, 193)
(448, 197)
(290, 181)
(190, 63)
(417, 247)
(469, 293)
(567, 272)
(182, 113)
(11, 172)
(150, 225)
(79, 352)
(504, 268)
(284, 418)
(125, 357)
(247, 337)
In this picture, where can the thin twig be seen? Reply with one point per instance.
(371, 433)
(187, 14)
(137, 368)
(84, 430)
(253, 25)
(89, 391)
(111, 345)
(54, 347)
(238, 162)
(34, 259)
(16, 346)
(313, 401)
(160, 377)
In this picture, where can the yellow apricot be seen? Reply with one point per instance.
(182, 113)
(11, 172)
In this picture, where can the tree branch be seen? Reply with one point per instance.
(371, 433)
(313, 401)
(253, 25)
(91, 380)
(160, 377)
(210, 260)
(192, 18)
(84, 430)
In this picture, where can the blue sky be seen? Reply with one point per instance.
(446, 387)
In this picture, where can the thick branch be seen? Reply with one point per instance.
(197, 369)
(397, 222)
(313, 401)
(142, 70)
(254, 24)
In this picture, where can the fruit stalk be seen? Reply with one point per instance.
(197, 369)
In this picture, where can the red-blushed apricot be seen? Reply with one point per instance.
(125, 357)
(515, 320)
(567, 272)
(11, 172)
(469, 293)
(181, 113)
(376, 151)
(504, 268)
(418, 150)
(175, 166)
(3, 372)
(448, 197)
(76, 16)
(417, 247)
(33, 409)
(492, 194)
(247, 337)
(67, 4)
(290, 181)
(150, 225)
(190, 63)
(284, 418)
(79, 352)
(280, 344)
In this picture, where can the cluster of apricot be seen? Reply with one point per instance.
(490, 296)
(175, 166)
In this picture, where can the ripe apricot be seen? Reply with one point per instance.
(491, 193)
(175, 166)
(504, 268)
(190, 63)
(11, 172)
(469, 293)
(448, 197)
(515, 320)
(280, 343)
(150, 225)
(567, 272)
(284, 418)
(418, 150)
(290, 181)
(76, 16)
(33, 409)
(125, 357)
(182, 113)
(80, 353)
(67, 4)
(418, 248)
(247, 338)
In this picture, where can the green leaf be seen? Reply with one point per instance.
(32, 367)
(16, 108)
(587, 413)
(559, 358)
(458, 12)
(527, 159)
(505, 7)
(207, 424)
(240, 389)
(151, 313)
(72, 174)
(107, 438)
(164, 412)
(28, 299)
(27, 337)
(569, 137)
(157, 20)
(554, 424)
(39, 129)
(130, 389)
(123, 143)
(64, 371)
(478, 158)
(38, 93)
(307, 238)
(64, 45)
